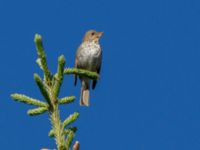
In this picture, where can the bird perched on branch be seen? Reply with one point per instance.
(88, 57)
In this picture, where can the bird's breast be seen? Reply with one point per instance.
(91, 49)
(90, 54)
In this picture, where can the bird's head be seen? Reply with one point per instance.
(92, 36)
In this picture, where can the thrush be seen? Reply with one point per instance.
(88, 57)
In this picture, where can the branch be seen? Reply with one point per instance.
(59, 75)
(81, 72)
(70, 119)
(58, 128)
(43, 88)
(67, 100)
(66, 132)
(42, 62)
(50, 88)
(28, 100)
(37, 111)
(70, 138)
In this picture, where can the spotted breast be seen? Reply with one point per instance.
(89, 55)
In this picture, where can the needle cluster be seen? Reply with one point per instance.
(49, 86)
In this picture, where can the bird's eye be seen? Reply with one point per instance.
(92, 33)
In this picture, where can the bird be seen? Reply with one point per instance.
(88, 57)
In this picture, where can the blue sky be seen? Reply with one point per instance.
(148, 97)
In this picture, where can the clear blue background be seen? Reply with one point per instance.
(148, 97)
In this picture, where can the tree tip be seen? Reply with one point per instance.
(38, 38)
(61, 59)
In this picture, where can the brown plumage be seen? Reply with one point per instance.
(89, 57)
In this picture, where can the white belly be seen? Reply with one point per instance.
(90, 55)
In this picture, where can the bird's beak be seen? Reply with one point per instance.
(100, 34)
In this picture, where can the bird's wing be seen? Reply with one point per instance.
(77, 61)
(75, 76)
(76, 65)
(98, 71)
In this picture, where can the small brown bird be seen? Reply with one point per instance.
(88, 57)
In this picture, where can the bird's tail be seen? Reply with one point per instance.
(85, 93)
